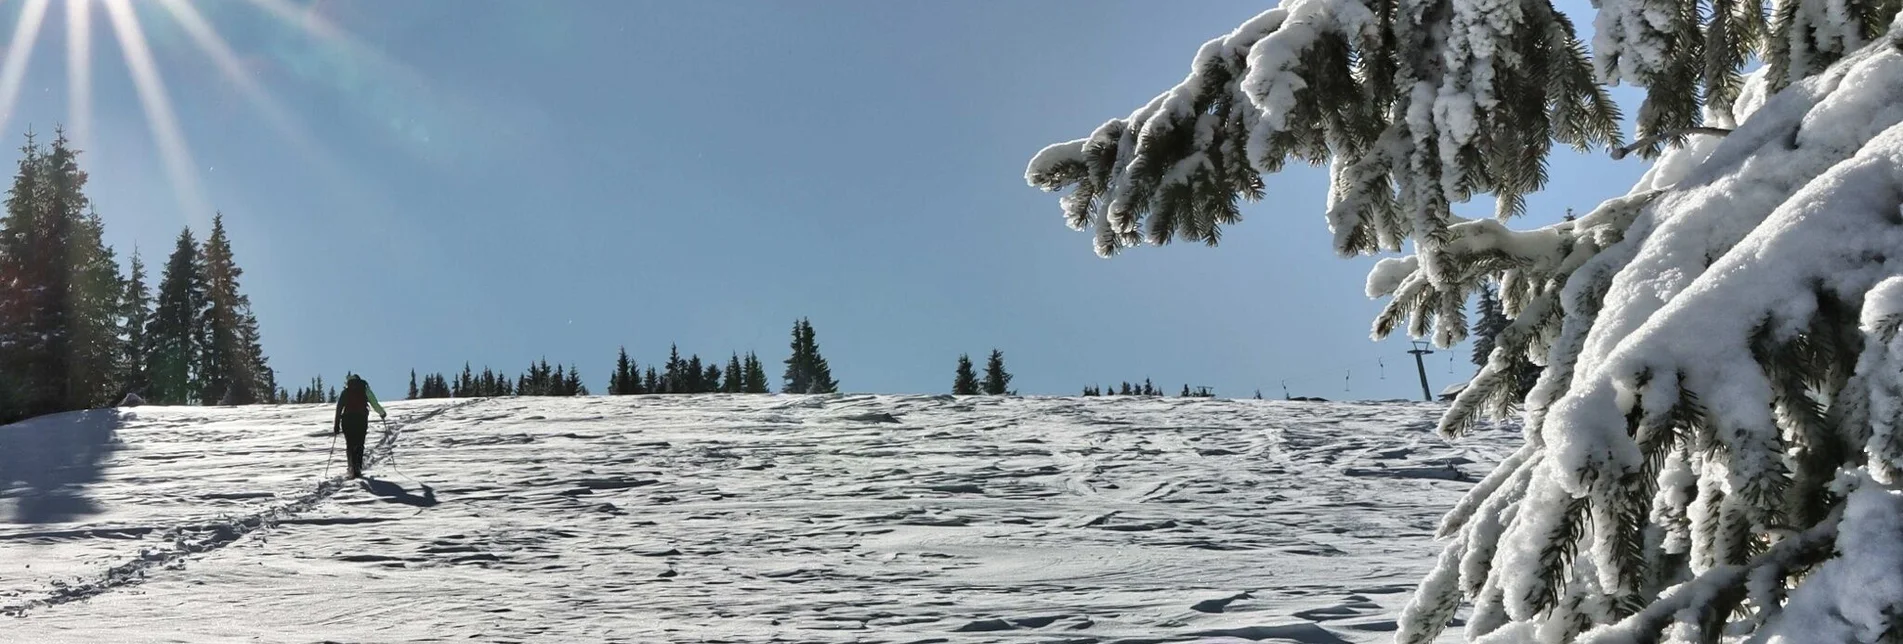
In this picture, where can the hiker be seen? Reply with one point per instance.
(353, 419)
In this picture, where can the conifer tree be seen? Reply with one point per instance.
(674, 380)
(413, 391)
(231, 369)
(60, 290)
(137, 314)
(653, 383)
(794, 380)
(710, 380)
(965, 380)
(620, 383)
(177, 317)
(693, 376)
(997, 381)
(1486, 331)
(756, 381)
(806, 370)
(733, 381)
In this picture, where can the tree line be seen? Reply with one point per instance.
(1147, 389)
(77, 333)
(807, 372)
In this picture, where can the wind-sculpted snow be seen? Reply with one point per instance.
(741, 518)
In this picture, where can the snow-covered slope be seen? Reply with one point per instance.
(730, 518)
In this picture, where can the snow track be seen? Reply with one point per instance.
(746, 518)
(186, 540)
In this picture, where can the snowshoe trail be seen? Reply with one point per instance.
(182, 541)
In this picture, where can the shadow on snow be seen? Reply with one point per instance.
(395, 493)
(46, 463)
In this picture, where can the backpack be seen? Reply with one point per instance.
(354, 400)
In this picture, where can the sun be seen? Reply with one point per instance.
(148, 80)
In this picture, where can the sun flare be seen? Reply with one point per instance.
(155, 98)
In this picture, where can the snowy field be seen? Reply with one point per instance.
(731, 518)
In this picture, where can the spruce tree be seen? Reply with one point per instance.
(232, 369)
(965, 380)
(177, 317)
(674, 380)
(756, 381)
(693, 375)
(620, 383)
(1486, 331)
(22, 272)
(413, 391)
(733, 381)
(806, 370)
(61, 310)
(136, 315)
(710, 380)
(798, 363)
(997, 381)
(653, 382)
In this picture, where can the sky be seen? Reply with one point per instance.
(420, 184)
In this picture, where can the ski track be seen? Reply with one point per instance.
(749, 518)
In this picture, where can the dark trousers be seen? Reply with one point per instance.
(356, 428)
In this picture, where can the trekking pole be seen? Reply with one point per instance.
(330, 455)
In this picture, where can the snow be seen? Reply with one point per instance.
(1854, 598)
(1053, 157)
(1811, 214)
(732, 518)
(1884, 303)
(1388, 274)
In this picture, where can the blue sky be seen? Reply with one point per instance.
(501, 181)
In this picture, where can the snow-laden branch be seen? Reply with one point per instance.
(1645, 626)
(1621, 152)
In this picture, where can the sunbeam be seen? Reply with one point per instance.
(299, 17)
(173, 151)
(79, 86)
(214, 47)
(19, 51)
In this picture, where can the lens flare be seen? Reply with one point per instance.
(79, 74)
(174, 154)
(220, 53)
(19, 52)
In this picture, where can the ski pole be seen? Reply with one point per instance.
(330, 455)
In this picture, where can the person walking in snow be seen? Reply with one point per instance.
(353, 419)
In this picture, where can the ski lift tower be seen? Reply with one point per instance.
(1421, 349)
